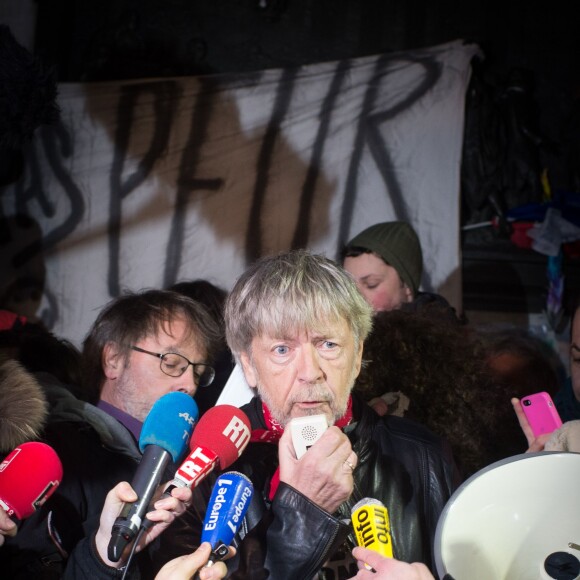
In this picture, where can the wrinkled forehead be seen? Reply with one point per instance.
(283, 320)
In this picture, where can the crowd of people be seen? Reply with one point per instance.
(415, 400)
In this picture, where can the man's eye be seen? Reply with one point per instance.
(281, 350)
(327, 347)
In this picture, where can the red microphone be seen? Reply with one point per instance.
(219, 438)
(28, 477)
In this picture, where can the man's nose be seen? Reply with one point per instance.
(187, 382)
(309, 370)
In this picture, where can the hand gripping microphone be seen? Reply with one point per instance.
(372, 528)
(164, 438)
(220, 437)
(228, 504)
(28, 477)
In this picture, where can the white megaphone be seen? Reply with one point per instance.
(517, 519)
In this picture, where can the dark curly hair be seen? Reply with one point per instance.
(441, 367)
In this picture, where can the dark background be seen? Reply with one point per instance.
(112, 39)
(95, 40)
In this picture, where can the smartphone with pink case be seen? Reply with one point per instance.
(541, 413)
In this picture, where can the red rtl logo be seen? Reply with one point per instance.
(238, 433)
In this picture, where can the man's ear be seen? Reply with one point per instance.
(248, 369)
(112, 360)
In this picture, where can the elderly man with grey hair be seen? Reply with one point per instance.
(297, 323)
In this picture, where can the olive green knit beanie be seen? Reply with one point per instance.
(398, 245)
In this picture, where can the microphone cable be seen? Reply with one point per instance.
(140, 533)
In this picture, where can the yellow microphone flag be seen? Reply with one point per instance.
(370, 520)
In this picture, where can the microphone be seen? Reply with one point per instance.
(370, 520)
(228, 504)
(164, 437)
(220, 437)
(29, 475)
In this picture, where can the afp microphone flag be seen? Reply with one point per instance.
(372, 528)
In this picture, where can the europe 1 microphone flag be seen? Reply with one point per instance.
(228, 504)
(29, 475)
(164, 436)
(370, 520)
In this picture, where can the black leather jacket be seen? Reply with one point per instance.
(401, 463)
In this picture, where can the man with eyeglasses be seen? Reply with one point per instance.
(141, 347)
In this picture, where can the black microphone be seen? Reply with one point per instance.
(164, 437)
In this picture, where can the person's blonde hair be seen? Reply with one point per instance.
(296, 290)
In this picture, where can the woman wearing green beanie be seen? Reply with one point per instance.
(387, 262)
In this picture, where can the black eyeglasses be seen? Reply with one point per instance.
(174, 365)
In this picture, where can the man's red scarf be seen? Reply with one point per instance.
(274, 431)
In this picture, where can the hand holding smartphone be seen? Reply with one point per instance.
(541, 413)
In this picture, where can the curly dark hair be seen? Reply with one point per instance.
(441, 366)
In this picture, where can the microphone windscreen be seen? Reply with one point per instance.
(225, 430)
(170, 423)
(227, 506)
(372, 528)
(28, 477)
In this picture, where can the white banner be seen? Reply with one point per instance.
(150, 182)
